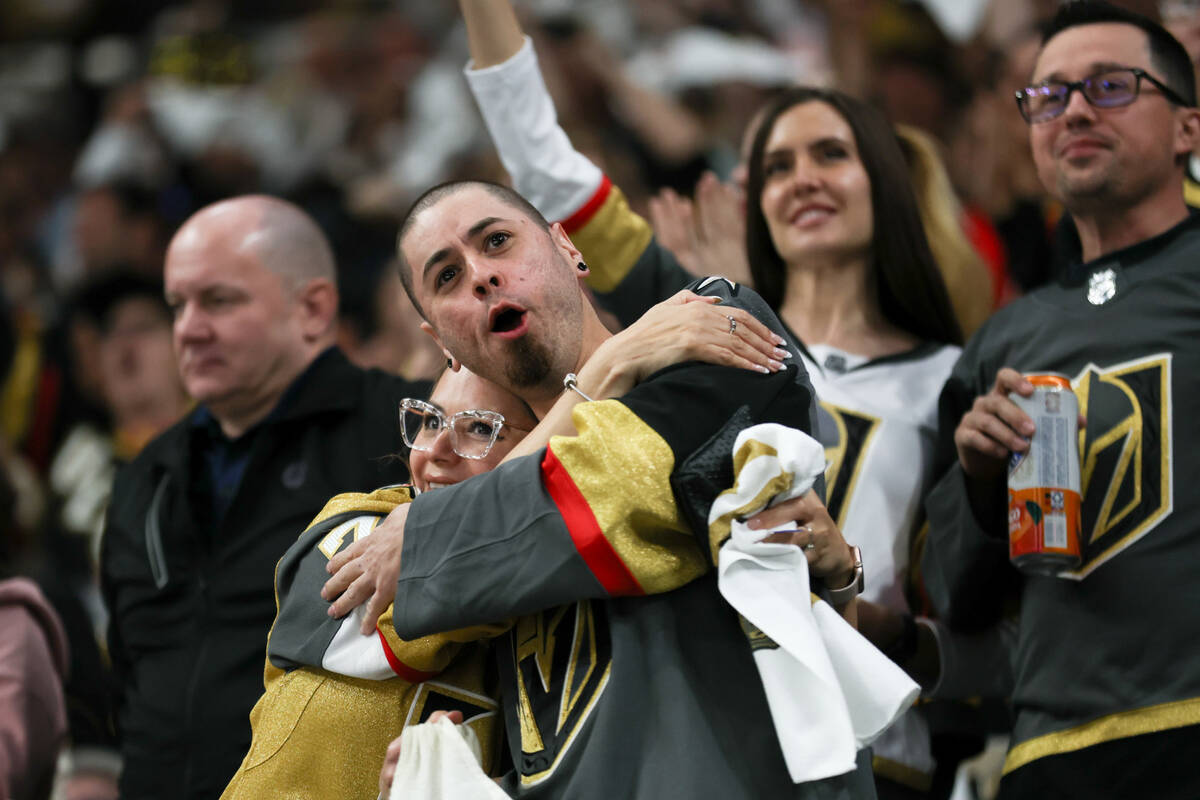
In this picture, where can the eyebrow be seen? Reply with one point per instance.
(821, 142)
(472, 232)
(824, 141)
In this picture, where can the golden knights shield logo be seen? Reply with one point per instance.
(846, 435)
(564, 658)
(1125, 453)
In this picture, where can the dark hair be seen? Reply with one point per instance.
(134, 199)
(98, 296)
(1166, 53)
(910, 290)
(443, 190)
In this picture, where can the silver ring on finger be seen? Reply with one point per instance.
(811, 545)
(732, 323)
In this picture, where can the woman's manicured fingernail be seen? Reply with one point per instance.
(781, 353)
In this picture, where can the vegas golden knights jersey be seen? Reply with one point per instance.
(1105, 653)
(334, 698)
(626, 675)
(878, 422)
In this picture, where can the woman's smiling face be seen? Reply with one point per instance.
(816, 194)
(461, 391)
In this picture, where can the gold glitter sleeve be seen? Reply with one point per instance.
(630, 534)
(423, 658)
(612, 238)
(381, 501)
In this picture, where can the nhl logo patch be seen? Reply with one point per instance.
(294, 474)
(1102, 286)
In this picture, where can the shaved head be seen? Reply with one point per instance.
(433, 196)
(279, 234)
(251, 284)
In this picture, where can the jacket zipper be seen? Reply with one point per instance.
(153, 531)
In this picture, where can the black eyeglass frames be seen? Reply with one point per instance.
(1108, 89)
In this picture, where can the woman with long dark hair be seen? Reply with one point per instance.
(835, 240)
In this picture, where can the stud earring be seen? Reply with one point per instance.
(582, 267)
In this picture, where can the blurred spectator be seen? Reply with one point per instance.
(126, 146)
(199, 519)
(140, 395)
(916, 82)
(380, 328)
(942, 216)
(140, 391)
(991, 162)
(119, 224)
(1182, 19)
(33, 662)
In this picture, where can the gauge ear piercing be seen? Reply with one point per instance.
(582, 267)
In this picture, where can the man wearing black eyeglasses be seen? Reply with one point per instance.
(1107, 696)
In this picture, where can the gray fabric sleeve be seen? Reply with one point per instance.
(456, 537)
(653, 278)
(303, 629)
(974, 665)
(965, 569)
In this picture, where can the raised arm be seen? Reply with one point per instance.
(493, 32)
(628, 271)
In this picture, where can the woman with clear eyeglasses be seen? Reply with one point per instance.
(466, 428)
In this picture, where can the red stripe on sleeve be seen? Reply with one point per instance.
(588, 209)
(399, 667)
(589, 540)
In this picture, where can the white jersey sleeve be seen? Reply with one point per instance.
(520, 117)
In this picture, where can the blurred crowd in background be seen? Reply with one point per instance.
(118, 119)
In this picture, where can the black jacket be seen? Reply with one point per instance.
(191, 603)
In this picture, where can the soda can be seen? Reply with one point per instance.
(1043, 482)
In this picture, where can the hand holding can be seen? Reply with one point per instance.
(994, 427)
(1044, 501)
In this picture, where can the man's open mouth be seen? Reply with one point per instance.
(507, 320)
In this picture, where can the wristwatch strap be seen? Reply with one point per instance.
(842, 596)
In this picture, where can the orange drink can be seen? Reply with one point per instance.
(1043, 482)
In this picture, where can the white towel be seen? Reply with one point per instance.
(829, 690)
(441, 761)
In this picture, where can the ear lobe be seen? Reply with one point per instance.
(319, 301)
(1188, 137)
(452, 363)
